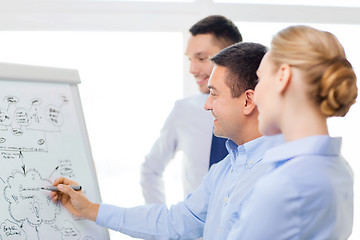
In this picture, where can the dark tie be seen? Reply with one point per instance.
(218, 150)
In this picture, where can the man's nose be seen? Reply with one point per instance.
(208, 103)
(194, 68)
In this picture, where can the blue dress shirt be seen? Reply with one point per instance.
(209, 211)
(308, 194)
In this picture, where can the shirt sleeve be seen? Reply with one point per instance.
(184, 220)
(161, 153)
(269, 212)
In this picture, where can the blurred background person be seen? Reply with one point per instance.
(189, 128)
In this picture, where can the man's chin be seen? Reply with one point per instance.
(217, 133)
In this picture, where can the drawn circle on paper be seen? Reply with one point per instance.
(11, 99)
(69, 231)
(17, 131)
(25, 200)
(66, 171)
(12, 230)
(2, 140)
(41, 141)
(22, 117)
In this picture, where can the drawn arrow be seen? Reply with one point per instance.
(54, 171)
(37, 232)
(22, 161)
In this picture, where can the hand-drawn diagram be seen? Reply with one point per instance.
(69, 231)
(17, 121)
(25, 202)
(11, 231)
(39, 143)
(65, 168)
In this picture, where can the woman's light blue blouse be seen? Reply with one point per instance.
(308, 194)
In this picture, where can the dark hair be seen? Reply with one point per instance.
(241, 61)
(221, 27)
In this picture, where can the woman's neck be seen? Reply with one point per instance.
(303, 122)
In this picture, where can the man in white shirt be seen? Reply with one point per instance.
(189, 128)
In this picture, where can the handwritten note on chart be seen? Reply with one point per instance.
(41, 139)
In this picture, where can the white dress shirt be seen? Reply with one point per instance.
(188, 128)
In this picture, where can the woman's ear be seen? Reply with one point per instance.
(284, 77)
(249, 104)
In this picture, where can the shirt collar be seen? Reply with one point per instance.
(313, 145)
(252, 151)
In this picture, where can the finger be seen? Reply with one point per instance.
(60, 197)
(55, 198)
(63, 180)
(54, 194)
(58, 181)
(66, 189)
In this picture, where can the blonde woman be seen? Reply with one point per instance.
(308, 193)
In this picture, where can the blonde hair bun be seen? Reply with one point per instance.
(330, 77)
(338, 89)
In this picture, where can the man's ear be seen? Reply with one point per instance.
(249, 104)
(284, 77)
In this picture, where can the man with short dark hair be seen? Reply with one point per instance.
(189, 127)
(215, 205)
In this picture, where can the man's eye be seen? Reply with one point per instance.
(204, 58)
